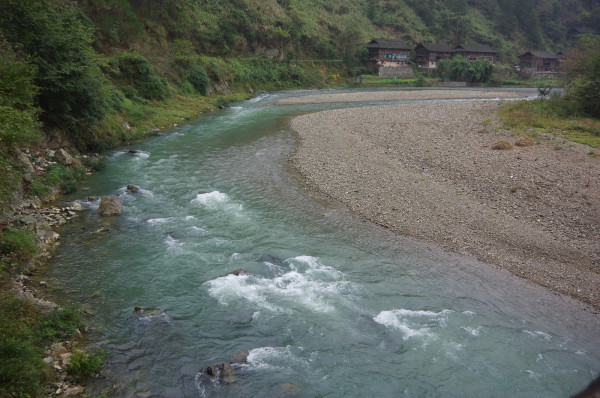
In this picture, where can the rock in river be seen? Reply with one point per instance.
(110, 206)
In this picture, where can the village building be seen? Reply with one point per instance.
(539, 62)
(388, 53)
(473, 52)
(575, 32)
(427, 55)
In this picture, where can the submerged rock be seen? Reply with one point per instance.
(132, 189)
(222, 372)
(110, 206)
(141, 312)
(101, 230)
(240, 357)
(268, 258)
(286, 390)
(238, 272)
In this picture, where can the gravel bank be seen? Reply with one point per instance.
(428, 171)
(404, 95)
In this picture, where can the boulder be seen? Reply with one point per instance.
(240, 357)
(76, 206)
(141, 312)
(222, 372)
(63, 157)
(132, 189)
(110, 206)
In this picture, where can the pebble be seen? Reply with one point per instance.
(549, 215)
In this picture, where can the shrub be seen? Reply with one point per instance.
(16, 246)
(23, 331)
(583, 75)
(502, 145)
(94, 163)
(18, 113)
(83, 365)
(198, 77)
(523, 140)
(458, 68)
(59, 176)
(137, 72)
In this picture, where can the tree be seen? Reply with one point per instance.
(459, 8)
(58, 42)
(458, 68)
(583, 75)
(18, 113)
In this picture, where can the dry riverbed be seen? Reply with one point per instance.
(428, 171)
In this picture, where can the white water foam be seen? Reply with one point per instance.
(404, 321)
(216, 200)
(538, 334)
(89, 205)
(139, 155)
(172, 243)
(163, 220)
(317, 288)
(259, 98)
(274, 358)
(153, 221)
(473, 331)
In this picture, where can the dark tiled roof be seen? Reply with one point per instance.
(583, 31)
(386, 43)
(475, 48)
(542, 54)
(437, 47)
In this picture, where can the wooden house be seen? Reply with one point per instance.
(428, 54)
(539, 62)
(575, 32)
(388, 53)
(472, 52)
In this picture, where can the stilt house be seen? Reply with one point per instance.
(472, 52)
(428, 54)
(388, 53)
(539, 62)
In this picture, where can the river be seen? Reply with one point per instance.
(327, 305)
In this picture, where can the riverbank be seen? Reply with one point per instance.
(429, 171)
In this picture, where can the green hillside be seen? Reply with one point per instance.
(100, 72)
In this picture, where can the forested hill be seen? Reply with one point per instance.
(334, 28)
(90, 67)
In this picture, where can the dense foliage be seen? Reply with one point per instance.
(18, 111)
(24, 330)
(55, 37)
(583, 74)
(458, 68)
(139, 78)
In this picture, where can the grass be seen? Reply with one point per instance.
(24, 332)
(375, 80)
(83, 365)
(533, 118)
(16, 247)
(10, 174)
(56, 175)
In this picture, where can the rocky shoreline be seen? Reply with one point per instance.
(44, 219)
(431, 171)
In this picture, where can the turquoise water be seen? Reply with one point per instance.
(327, 305)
